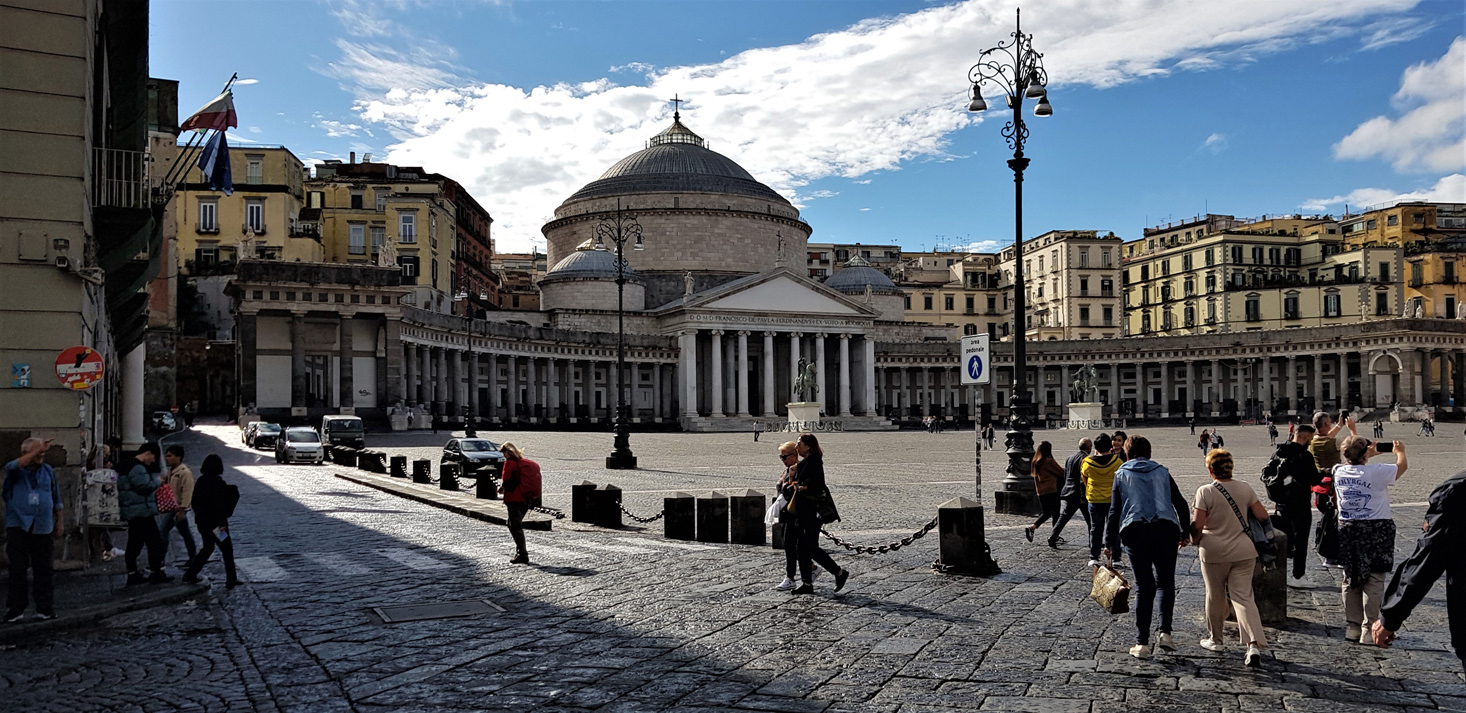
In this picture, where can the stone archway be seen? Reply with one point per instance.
(1386, 374)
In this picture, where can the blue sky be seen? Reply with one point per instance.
(855, 110)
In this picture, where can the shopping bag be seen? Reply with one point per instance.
(1110, 590)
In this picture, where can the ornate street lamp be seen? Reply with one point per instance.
(620, 230)
(1016, 69)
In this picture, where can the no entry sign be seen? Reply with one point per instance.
(79, 368)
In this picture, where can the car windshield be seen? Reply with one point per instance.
(478, 446)
(268, 428)
(303, 437)
(345, 425)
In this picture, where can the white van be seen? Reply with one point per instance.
(343, 431)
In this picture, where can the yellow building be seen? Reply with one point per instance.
(1405, 222)
(1434, 238)
(368, 207)
(1071, 281)
(956, 290)
(261, 219)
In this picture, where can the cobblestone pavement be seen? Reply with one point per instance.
(627, 621)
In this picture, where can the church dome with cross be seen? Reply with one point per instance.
(700, 212)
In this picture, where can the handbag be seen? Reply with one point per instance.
(1110, 590)
(825, 508)
(166, 502)
(1260, 534)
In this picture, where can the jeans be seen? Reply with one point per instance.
(1296, 518)
(805, 537)
(1071, 506)
(29, 551)
(1152, 550)
(143, 531)
(1049, 504)
(169, 521)
(1099, 515)
(517, 511)
(226, 550)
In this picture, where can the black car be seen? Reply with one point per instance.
(473, 454)
(265, 435)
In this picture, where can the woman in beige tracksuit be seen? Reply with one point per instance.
(1228, 556)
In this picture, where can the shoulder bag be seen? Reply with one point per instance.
(1110, 590)
(166, 502)
(1260, 534)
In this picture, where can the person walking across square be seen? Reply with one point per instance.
(1366, 530)
(521, 492)
(1072, 494)
(1098, 475)
(32, 523)
(1228, 557)
(1048, 475)
(213, 504)
(1290, 477)
(138, 503)
(180, 480)
(1437, 552)
(1148, 514)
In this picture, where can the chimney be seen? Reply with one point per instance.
(353, 157)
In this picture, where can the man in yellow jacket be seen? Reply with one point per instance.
(1098, 474)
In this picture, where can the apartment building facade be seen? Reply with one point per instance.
(824, 259)
(260, 220)
(1072, 285)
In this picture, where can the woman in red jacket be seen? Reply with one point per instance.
(521, 490)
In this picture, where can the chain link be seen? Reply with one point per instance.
(643, 520)
(552, 512)
(883, 549)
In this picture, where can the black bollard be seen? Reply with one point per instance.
(448, 476)
(746, 518)
(1270, 586)
(605, 502)
(963, 540)
(347, 456)
(580, 504)
(679, 517)
(712, 518)
(422, 471)
(365, 459)
(485, 488)
(399, 466)
(379, 462)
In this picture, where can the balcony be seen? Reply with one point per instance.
(305, 230)
(120, 179)
(246, 228)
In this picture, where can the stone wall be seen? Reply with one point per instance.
(597, 294)
(603, 321)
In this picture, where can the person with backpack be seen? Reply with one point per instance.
(138, 505)
(1289, 478)
(213, 504)
(521, 491)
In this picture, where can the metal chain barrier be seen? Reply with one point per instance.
(552, 512)
(883, 549)
(642, 520)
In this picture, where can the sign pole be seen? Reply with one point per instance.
(976, 369)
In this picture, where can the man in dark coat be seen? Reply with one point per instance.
(1437, 551)
(1073, 491)
(1296, 476)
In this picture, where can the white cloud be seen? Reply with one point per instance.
(865, 182)
(812, 195)
(246, 82)
(1393, 31)
(865, 210)
(1216, 143)
(336, 129)
(847, 103)
(982, 246)
(1431, 135)
(636, 67)
(1449, 189)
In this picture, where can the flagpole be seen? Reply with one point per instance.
(185, 155)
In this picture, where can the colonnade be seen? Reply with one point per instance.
(751, 373)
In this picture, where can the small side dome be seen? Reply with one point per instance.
(856, 275)
(589, 264)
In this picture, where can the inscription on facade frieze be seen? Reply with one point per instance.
(792, 321)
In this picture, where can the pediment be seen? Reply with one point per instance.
(782, 293)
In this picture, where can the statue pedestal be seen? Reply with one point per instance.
(804, 412)
(1086, 416)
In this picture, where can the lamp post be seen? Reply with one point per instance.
(1016, 69)
(470, 414)
(620, 230)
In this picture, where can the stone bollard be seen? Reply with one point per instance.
(1270, 587)
(365, 460)
(712, 518)
(399, 466)
(347, 456)
(379, 462)
(679, 517)
(580, 505)
(485, 488)
(746, 518)
(605, 506)
(448, 476)
(963, 542)
(422, 471)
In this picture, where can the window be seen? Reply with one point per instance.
(992, 304)
(515, 304)
(208, 221)
(1448, 272)
(1145, 322)
(254, 169)
(356, 200)
(1238, 279)
(1290, 306)
(908, 301)
(1381, 304)
(1084, 287)
(970, 300)
(1040, 289)
(379, 236)
(1209, 259)
(1109, 313)
(1211, 312)
(1254, 309)
(926, 302)
(357, 245)
(1185, 262)
(1105, 258)
(409, 269)
(1237, 254)
(1125, 277)
(1084, 257)
(1107, 288)
(315, 199)
(1165, 292)
(1084, 316)
(1190, 316)
(1274, 256)
(1256, 255)
(1418, 218)
(947, 303)
(1331, 304)
(1416, 274)
(1190, 286)
(254, 214)
(1450, 307)
(206, 254)
(1040, 264)
(1144, 273)
(407, 227)
(1371, 224)
(435, 273)
(1384, 272)
(380, 196)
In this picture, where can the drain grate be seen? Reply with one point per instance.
(439, 610)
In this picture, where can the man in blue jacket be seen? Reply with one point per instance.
(32, 522)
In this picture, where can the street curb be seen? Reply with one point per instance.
(490, 511)
(87, 615)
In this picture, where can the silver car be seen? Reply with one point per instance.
(300, 444)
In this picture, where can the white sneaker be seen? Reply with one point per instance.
(1352, 632)
(1211, 644)
(1253, 657)
(785, 585)
(1366, 635)
(1165, 642)
(1140, 651)
(1094, 563)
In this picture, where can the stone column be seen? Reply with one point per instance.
(1417, 373)
(821, 395)
(1165, 389)
(1142, 388)
(743, 374)
(687, 371)
(882, 396)
(491, 366)
(454, 360)
(552, 389)
(794, 338)
(906, 392)
(1292, 385)
(425, 378)
(868, 407)
(1189, 408)
(347, 368)
(1366, 378)
(1317, 382)
(588, 389)
(717, 375)
(567, 389)
(440, 387)
(298, 377)
(845, 375)
(512, 404)
(769, 409)
(924, 389)
(531, 383)
(475, 405)
(409, 390)
(657, 392)
(1216, 387)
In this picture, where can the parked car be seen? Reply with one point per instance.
(164, 421)
(247, 430)
(473, 454)
(343, 431)
(265, 435)
(300, 444)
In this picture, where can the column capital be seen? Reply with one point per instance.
(796, 335)
(743, 332)
(846, 335)
(770, 335)
(717, 332)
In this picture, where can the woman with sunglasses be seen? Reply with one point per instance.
(789, 458)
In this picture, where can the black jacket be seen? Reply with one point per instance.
(810, 473)
(1437, 551)
(1298, 470)
(211, 502)
(1073, 486)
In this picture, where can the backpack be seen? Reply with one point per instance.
(1272, 480)
(230, 500)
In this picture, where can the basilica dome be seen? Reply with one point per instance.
(586, 279)
(856, 275)
(678, 161)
